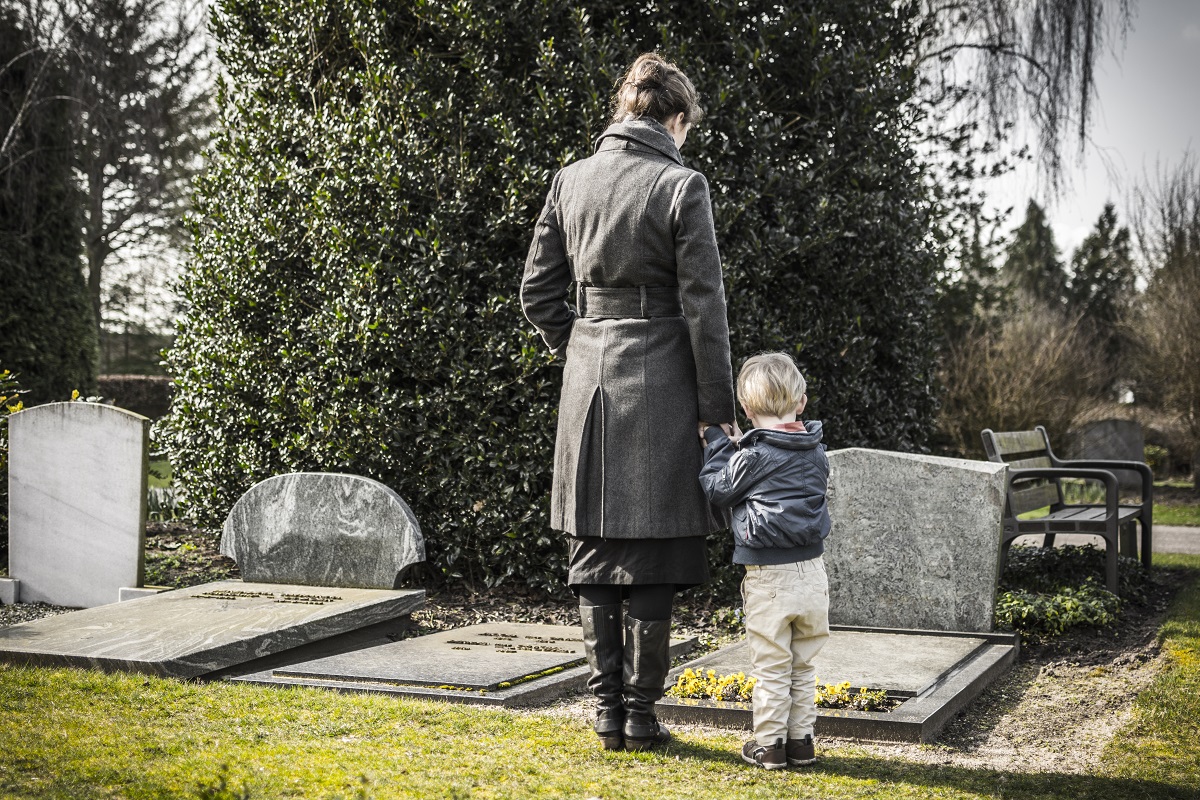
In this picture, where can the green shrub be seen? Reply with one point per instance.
(1041, 569)
(1046, 591)
(362, 229)
(1037, 615)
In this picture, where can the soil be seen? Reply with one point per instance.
(1053, 711)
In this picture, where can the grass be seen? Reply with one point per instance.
(1177, 514)
(160, 473)
(1162, 743)
(76, 733)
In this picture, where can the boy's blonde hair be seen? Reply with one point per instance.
(770, 383)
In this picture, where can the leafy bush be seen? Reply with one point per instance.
(1041, 569)
(1036, 615)
(1046, 591)
(362, 228)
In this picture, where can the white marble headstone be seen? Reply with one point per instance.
(915, 541)
(77, 502)
(322, 529)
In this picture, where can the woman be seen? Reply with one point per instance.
(647, 365)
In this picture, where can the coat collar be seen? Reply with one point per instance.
(807, 439)
(645, 131)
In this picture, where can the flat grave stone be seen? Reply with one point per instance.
(189, 632)
(933, 673)
(322, 529)
(915, 542)
(77, 502)
(497, 663)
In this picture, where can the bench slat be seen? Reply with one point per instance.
(1033, 498)
(1039, 462)
(1077, 519)
(1019, 442)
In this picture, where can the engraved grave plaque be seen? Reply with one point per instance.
(485, 657)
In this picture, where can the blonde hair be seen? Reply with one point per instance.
(770, 383)
(656, 88)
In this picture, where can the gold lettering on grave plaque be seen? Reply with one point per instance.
(230, 594)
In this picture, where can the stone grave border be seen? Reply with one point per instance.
(531, 690)
(918, 718)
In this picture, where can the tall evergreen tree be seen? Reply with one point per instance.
(46, 332)
(1033, 266)
(1103, 279)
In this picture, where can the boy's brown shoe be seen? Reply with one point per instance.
(800, 751)
(767, 757)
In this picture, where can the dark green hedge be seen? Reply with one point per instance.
(363, 226)
(46, 330)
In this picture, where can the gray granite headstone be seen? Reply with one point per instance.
(193, 631)
(915, 541)
(1112, 440)
(77, 502)
(322, 529)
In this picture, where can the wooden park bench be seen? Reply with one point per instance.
(1035, 481)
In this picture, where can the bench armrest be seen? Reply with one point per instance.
(1130, 466)
(1111, 498)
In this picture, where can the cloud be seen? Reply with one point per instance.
(1191, 32)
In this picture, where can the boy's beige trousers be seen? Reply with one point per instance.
(787, 623)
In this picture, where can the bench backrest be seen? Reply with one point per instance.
(1024, 450)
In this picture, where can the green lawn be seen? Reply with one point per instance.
(73, 733)
(160, 473)
(1177, 514)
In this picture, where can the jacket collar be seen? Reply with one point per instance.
(789, 440)
(645, 131)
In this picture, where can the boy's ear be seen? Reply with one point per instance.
(800, 407)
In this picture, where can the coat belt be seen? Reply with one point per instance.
(637, 302)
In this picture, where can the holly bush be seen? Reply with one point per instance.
(370, 196)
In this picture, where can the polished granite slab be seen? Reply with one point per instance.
(933, 675)
(495, 663)
(188, 632)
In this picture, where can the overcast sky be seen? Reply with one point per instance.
(1148, 113)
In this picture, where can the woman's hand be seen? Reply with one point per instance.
(730, 428)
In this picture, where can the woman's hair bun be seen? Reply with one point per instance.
(654, 87)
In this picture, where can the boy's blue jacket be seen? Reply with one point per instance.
(775, 483)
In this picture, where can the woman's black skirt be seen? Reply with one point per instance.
(628, 562)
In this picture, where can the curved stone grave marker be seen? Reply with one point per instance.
(322, 529)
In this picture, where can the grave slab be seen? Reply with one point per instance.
(935, 674)
(915, 541)
(504, 664)
(322, 529)
(77, 502)
(189, 632)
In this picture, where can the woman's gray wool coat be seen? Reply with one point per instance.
(627, 457)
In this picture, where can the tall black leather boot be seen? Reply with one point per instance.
(647, 659)
(602, 642)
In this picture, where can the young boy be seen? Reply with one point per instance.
(774, 479)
